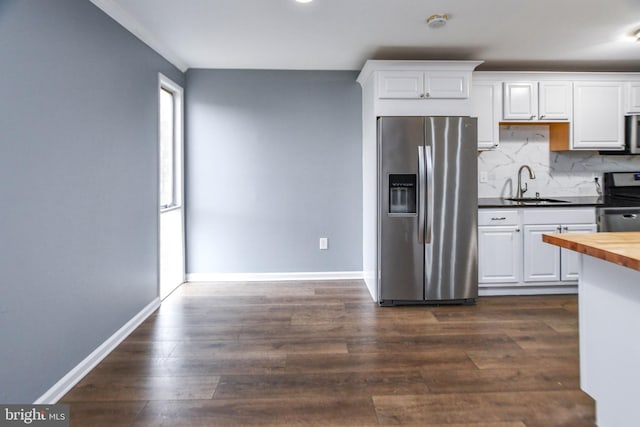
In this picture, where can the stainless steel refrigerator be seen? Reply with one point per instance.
(427, 220)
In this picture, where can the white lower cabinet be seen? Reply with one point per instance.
(570, 260)
(499, 246)
(499, 261)
(541, 260)
(513, 259)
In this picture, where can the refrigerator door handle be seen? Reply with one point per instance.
(429, 177)
(422, 194)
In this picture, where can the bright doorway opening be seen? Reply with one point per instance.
(171, 186)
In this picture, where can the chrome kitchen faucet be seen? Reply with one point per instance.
(522, 190)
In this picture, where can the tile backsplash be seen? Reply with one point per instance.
(567, 173)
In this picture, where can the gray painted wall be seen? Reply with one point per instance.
(78, 181)
(273, 163)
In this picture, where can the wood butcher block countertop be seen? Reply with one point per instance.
(622, 248)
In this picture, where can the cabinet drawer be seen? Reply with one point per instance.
(559, 216)
(498, 217)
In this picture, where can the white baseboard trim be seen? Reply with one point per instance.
(73, 377)
(274, 277)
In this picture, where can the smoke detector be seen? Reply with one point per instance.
(437, 21)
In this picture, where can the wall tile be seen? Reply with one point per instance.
(557, 173)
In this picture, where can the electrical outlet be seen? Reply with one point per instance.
(484, 177)
(324, 243)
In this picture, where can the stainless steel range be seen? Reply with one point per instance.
(622, 202)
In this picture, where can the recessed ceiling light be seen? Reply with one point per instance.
(437, 21)
(304, 1)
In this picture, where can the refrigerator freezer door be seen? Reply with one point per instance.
(451, 271)
(400, 251)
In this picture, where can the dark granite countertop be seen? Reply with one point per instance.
(574, 201)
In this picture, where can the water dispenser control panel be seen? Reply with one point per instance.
(403, 194)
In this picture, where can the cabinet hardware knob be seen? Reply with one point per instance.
(533, 117)
(422, 95)
(542, 116)
(517, 230)
(559, 228)
(565, 228)
(427, 94)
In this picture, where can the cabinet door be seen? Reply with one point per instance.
(485, 98)
(570, 260)
(554, 100)
(633, 97)
(598, 119)
(400, 84)
(499, 254)
(446, 84)
(520, 101)
(541, 260)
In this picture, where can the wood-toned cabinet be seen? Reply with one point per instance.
(537, 101)
(598, 115)
(486, 97)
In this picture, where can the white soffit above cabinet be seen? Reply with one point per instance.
(576, 35)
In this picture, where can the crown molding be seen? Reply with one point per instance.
(117, 13)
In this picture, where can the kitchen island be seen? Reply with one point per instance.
(609, 316)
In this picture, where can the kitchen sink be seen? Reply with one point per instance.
(535, 200)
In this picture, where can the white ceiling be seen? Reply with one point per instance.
(342, 34)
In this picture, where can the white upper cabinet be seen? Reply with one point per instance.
(401, 84)
(485, 97)
(545, 100)
(598, 115)
(555, 100)
(520, 101)
(445, 84)
(420, 85)
(415, 88)
(633, 97)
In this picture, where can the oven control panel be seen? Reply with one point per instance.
(625, 179)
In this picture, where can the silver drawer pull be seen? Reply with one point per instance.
(501, 218)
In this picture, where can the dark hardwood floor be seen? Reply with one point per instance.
(321, 353)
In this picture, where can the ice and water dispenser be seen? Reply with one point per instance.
(403, 194)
